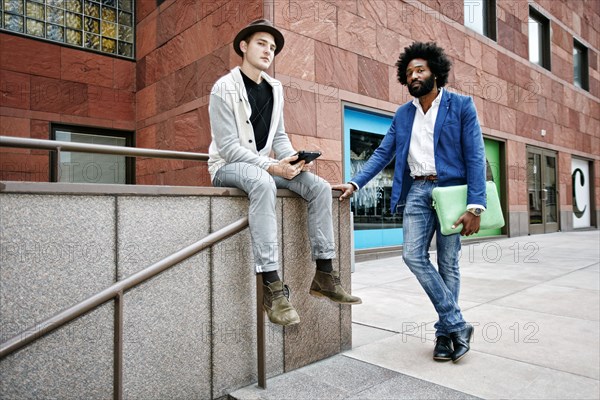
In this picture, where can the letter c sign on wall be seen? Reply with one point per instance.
(580, 175)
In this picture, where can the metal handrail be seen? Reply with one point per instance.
(118, 288)
(43, 144)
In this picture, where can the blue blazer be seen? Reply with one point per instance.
(457, 145)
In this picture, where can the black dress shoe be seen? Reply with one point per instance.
(461, 340)
(443, 349)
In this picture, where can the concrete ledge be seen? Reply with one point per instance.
(189, 332)
(133, 190)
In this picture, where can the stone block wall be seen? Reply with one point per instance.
(183, 47)
(43, 83)
(189, 332)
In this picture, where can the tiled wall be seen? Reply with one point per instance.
(41, 82)
(183, 47)
(336, 51)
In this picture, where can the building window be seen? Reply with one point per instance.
(75, 167)
(105, 26)
(371, 205)
(580, 66)
(539, 39)
(480, 16)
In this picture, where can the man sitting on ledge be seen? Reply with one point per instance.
(246, 118)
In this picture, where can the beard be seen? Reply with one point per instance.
(424, 88)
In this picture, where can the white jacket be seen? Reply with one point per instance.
(231, 130)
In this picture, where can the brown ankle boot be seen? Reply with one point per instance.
(327, 284)
(277, 305)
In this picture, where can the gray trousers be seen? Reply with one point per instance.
(261, 188)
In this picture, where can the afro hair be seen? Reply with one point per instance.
(436, 58)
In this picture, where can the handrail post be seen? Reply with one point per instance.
(56, 170)
(118, 348)
(260, 334)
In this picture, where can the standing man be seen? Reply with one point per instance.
(437, 141)
(246, 119)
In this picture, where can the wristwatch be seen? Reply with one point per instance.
(475, 211)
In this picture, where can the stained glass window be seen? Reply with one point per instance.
(101, 25)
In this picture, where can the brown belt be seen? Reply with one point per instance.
(426, 178)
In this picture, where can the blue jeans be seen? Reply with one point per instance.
(442, 285)
(261, 188)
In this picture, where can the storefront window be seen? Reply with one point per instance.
(374, 224)
(371, 204)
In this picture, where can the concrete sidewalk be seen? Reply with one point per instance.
(534, 302)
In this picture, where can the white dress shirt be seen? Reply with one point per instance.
(421, 158)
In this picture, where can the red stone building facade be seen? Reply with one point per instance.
(338, 53)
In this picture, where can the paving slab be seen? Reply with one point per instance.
(342, 377)
(363, 334)
(380, 272)
(409, 388)
(396, 310)
(556, 300)
(585, 278)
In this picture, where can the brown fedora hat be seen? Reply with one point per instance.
(260, 25)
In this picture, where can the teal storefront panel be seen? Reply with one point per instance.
(374, 225)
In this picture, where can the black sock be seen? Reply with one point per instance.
(324, 265)
(270, 277)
